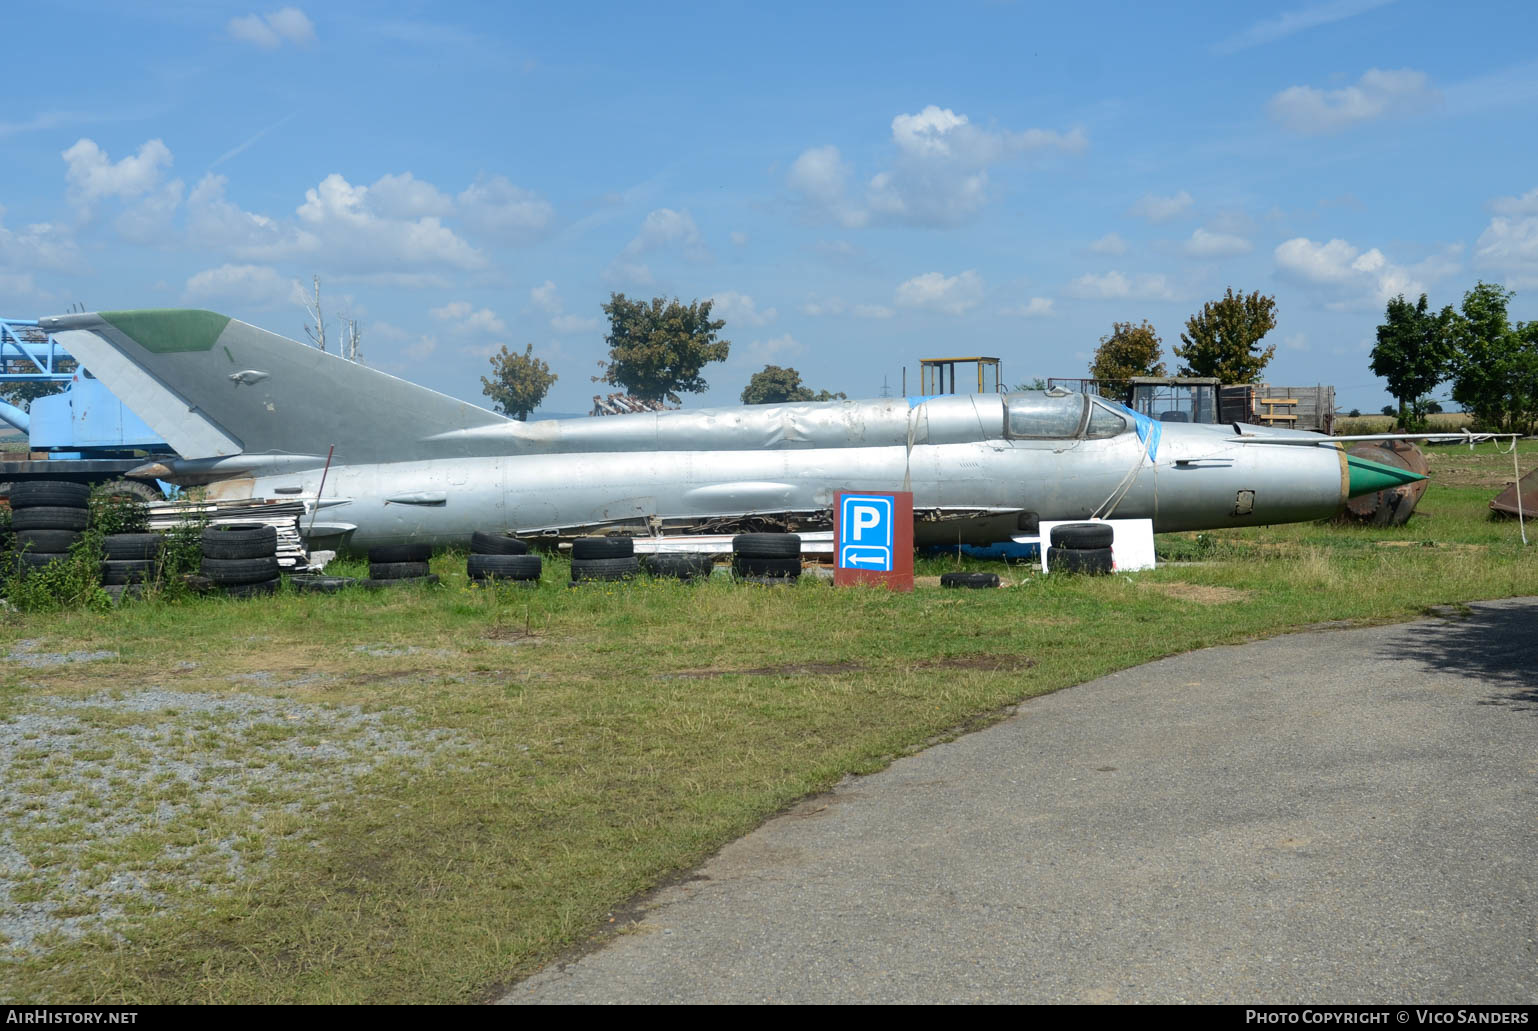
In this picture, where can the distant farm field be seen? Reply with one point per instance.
(1347, 426)
(423, 795)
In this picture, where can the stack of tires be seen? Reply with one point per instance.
(603, 559)
(395, 565)
(498, 557)
(47, 517)
(241, 559)
(687, 568)
(129, 562)
(1080, 548)
(766, 558)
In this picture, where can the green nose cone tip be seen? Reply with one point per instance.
(1368, 476)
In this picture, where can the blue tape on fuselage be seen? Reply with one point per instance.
(914, 400)
(1148, 430)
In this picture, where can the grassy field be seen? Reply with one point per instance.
(422, 795)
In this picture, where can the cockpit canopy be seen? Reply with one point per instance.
(1060, 416)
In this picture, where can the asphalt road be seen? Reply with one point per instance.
(1332, 816)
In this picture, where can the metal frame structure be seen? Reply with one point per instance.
(932, 375)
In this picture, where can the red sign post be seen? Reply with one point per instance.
(873, 539)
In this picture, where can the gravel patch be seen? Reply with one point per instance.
(115, 804)
(24, 654)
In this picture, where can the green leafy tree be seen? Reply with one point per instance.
(1223, 339)
(518, 383)
(1414, 349)
(1495, 364)
(1035, 383)
(1126, 352)
(775, 385)
(657, 350)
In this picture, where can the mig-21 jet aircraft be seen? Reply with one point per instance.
(378, 460)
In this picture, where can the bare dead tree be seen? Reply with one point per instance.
(317, 332)
(352, 340)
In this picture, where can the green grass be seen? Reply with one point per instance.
(476, 791)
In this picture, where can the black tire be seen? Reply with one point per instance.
(57, 541)
(1082, 536)
(228, 571)
(781, 567)
(396, 570)
(1094, 561)
(767, 545)
(239, 541)
(49, 517)
(973, 580)
(125, 546)
(393, 553)
(27, 561)
(602, 548)
(49, 493)
(679, 567)
(136, 490)
(504, 567)
(128, 571)
(482, 543)
(315, 583)
(405, 581)
(605, 568)
(250, 590)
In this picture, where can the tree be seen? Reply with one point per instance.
(775, 386)
(519, 382)
(1414, 348)
(1128, 351)
(1495, 364)
(1223, 339)
(657, 350)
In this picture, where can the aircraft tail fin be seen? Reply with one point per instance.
(213, 386)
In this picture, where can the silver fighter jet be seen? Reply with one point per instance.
(379, 460)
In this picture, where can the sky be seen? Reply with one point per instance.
(856, 186)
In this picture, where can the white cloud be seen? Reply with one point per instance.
(39, 245)
(1110, 243)
(939, 176)
(953, 295)
(574, 324)
(252, 286)
(1379, 93)
(816, 306)
(1205, 244)
(1510, 246)
(1290, 22)
(1114, 286)
(1351, 277)
(783, 346)
(739, 239)
(215, 222)
(424, 347)
(1162, 209)
(1295, 342)
(547, 298)
(466, 318)
(406, 196)
(873, 311)
(1038, 307)
(1527, 204)
(92, 175)
(20, 286)
(503, 211)
(738, 308)
(665, 227)
(340, 214)
(148, 221)
(288, 24)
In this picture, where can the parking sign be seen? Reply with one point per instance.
(874, 539)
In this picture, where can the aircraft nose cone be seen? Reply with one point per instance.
(1368, 477)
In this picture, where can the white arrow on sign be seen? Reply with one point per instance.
(860, 560)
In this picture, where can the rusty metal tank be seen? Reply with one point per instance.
(1390, 507)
